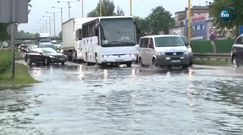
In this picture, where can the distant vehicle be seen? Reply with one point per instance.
(31, 47)
(237, 51)
(3, 44)
(44, 56)
(185, 40)
(71, 36)
(23, 47)
(53, 46)
(109, 40)
(26, 47)
(44, 38)
(163, 50)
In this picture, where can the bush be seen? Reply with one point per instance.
(5, 60)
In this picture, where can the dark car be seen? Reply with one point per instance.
(237, 51)
(44, 56)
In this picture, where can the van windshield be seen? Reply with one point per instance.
(168, 41)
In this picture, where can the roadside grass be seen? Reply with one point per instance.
(212, 62)
(22, 76)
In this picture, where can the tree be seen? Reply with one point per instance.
(60, 34)
(235, 8)
(3, 32)
(107, 9)
(119, 11)
(160, 20)
(142, 26)
(22, 34)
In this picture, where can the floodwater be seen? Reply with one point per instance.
(80, 100)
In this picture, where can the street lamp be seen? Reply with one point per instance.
(46, 29)
(61, 13)
(54, 22)
(82, 4)
(68, 2)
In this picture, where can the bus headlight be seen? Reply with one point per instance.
(105, 56)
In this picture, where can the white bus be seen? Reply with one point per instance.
(109, 40)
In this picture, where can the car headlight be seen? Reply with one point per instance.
(160, 53)
(52, 57)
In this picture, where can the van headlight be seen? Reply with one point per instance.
(186, 52)
(189, 49)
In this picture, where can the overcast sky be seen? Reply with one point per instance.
(141, 8)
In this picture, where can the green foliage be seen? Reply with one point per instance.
(5, 60)
(218, 5)
(3, 32)
(142, 26)
(201, 46)
(204, 46)
(107, 9)
(22, 34)
(22, 78)
(224, 46)
(212, 62)
(160, 20)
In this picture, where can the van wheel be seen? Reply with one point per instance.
(141, 62)
(154, 62)
(235, 61)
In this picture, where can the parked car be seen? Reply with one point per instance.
(163, 50)
(237, 51)
(44, 56)
(187, 44)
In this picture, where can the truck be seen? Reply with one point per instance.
(44, 38)
(71, 37)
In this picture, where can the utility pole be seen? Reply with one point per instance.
(130, 7)
(101, 4)
(82, 2)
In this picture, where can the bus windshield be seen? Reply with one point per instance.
(117, 32)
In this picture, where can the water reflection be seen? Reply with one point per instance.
(77, 99)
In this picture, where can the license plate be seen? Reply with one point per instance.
(175, 61)
(61, 59)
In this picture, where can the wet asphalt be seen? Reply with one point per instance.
(76, 99)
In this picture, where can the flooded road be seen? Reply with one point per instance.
(80, 100)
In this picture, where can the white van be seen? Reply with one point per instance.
(163, 50)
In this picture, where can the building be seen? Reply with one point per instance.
(200, 22)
